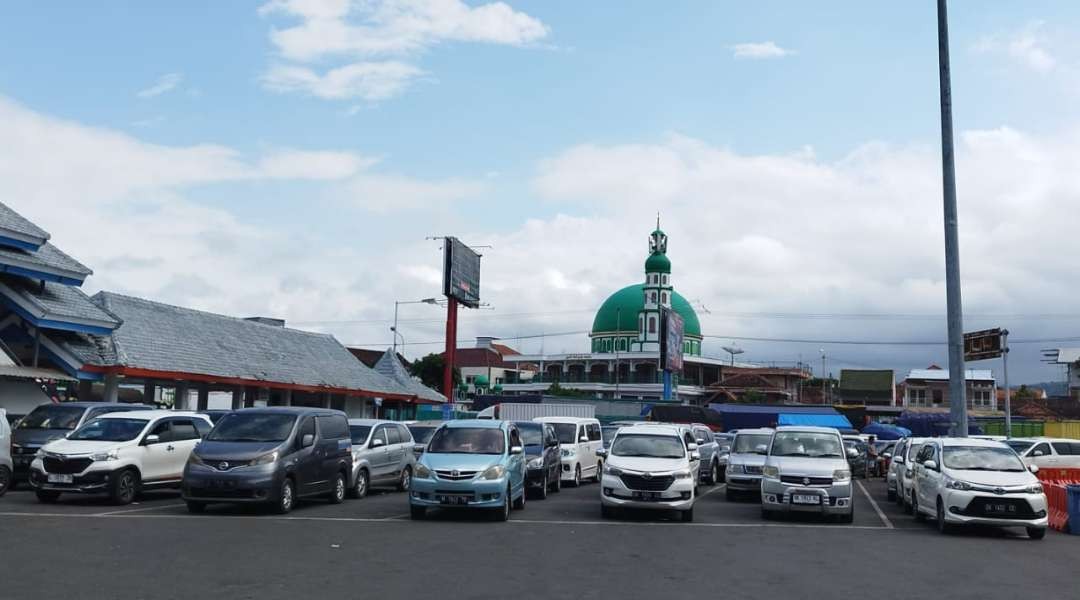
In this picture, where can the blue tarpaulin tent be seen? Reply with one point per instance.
(932, 424)
(817, 420)
(750, 416)
(886, 432)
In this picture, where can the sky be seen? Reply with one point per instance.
(292, 158)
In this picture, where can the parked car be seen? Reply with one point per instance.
(382, 455)
(858, 455)
(964, 481)
(723, 440)
(747, 457)
(905, 476)
(709, 449)
(119, 454)
(49, 422)
(579, 439)
(807, 471)
(473, 464)
(421, 432)
(543, 457)
(1047, 453)
(215, 414)
(649, 467)
(273, 456)
(896, 468)
(607, 434)
(6, 466)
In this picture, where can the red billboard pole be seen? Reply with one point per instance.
(451, 348)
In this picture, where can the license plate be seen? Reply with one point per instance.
(222, 484)
(53, 478)
(1000, 509)
(805, 499)
(647, 496)
(454, 500)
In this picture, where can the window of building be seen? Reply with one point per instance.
(652, 324)
(665, 279)
(663, 297)
(622, 345)
(917, 396)
(652, 297)
(939, 396)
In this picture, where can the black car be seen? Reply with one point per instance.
(273, 456)
(53, 421)
(543, 457)
(215, 414)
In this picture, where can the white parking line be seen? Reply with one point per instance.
(136, 510)
(877, 509)
(715, 488)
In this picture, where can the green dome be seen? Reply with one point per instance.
(620, 311)
(657, 263)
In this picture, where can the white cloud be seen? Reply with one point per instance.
(359, 31)
(1028, 46)
(392, 193)
(165, 83)
(315, 165)
(757, 50)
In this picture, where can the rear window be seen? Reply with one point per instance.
(422, 433)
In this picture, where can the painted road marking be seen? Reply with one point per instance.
(877, 509)
(136, 510)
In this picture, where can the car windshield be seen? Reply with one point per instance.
(647, 446)
(467, 440)
(256, 427)
(807, 444)
(566, 432)
(422, 433)
(109, 430)
(752, 443)
(608, 432)
(1019, 445)
(982, 458)
(52, 416)
(532, 434)
(359, 433)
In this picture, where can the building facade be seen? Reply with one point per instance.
(929, 388)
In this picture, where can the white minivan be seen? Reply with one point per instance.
(1047, 453)
(579, 438)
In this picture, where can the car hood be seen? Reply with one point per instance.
(753, 460)
(68, 447)
(811, 467)
(461, 462)
(647, 465)
(37, 437)
(234, 451)
(994, 478)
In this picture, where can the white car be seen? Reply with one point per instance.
(748, 452)
(964, 481)
(649, 467)
(119, 454)
(579, 439)
(1047, 453)
(901, 471)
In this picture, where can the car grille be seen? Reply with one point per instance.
(751, 470)
(62, 466)
(222, 493)
(455, 475)
(1017, 508)
(24, 450)
(647, 483)
(799, 480)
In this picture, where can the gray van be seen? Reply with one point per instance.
(272, 456)
(382, 455)
(5, 453)
(53, 421)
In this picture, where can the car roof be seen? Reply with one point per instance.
(967, 441)
(807, 429)
(574, 420)
(651, 429)
(289, 410)
(1038, 439)
(477, 423)
(758, 431)
(368, 421)
(100, 404)
(150, 414)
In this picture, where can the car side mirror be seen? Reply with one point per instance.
(153, 438)
(852, 452)
(701, 441)
(930, 465)
(418, 448)
(583, 438)
(601, 453)
(376, 443)
(887, 455)
(516, 450)
(1033, 468)
(1037, 453)
(307, 440)
(695, 455)
(691, 447)
(899, 460)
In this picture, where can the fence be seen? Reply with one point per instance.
(1019, 428)
(1062, 429)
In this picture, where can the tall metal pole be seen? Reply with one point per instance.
(1005, 368)
(451, 348)
(824, 397)
(957, 371)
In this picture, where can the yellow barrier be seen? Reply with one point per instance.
(1063, 429)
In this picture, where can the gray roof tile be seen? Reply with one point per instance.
(13, 222)
(56, 301)
(48, 259)
(390, 366)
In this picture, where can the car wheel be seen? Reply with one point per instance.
(406, 480)
(943, 526)
(849, 518)
(196, 508)
(915, 508)
(503, 513)
(577, 476)
(417, 513)
(891, 495)
(1036, 533)
(687, 515)
(544, 488)
(5, 480)
(360, 489)
(47, 497)
(729, 494)
(519, 504)
(123, 487)
(556, 486)
(337, 492)
(714, 474)
(599, 470)
(286, 497)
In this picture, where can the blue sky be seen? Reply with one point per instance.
(553, 131)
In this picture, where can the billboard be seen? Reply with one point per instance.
(671, 341)
(982, 345)
(461, 272)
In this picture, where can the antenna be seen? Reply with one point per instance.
(732, 350)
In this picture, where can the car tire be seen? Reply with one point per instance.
(556, 486)
(286, 497)
(1036, 533)
(943, 526)
(915, 512)
(502, 514)
(712, 476)
(360, 488)
(687, 515)
(196, 508)
(577, 476)
(417, 513)
(599, 470)
(47, 497)
(729, 494)
(5, 480)
(519, 504)
(405, 482)
(337, 491)
(891, 495)
(849, 518)
(543, 491)
(123, 487)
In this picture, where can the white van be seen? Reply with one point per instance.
(579, 438)
(1047, 453)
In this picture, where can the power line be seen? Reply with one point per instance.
(877, 342)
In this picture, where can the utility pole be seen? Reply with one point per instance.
(1005, 369)
(824, 396)
(957, 371)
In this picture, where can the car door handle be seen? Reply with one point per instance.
(170, 448)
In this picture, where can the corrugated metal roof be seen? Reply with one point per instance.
(55, 301)
(13, 222)
(391, 367)
(943, 374)
(17, 372)
(1067, 356)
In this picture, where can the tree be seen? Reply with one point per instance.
(557, 390)
(430, 371)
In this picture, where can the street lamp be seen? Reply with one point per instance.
(394, 328)
(824, 396)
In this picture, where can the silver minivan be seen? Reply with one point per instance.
(6, 467)
(382, 455)
(807, 471)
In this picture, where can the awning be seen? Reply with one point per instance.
(20, 397)
(834, 420)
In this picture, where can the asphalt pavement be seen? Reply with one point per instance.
(555, 548)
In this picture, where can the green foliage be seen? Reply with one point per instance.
(430, 371)
(557, 390)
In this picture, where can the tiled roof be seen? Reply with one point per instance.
(943, 374)
(55, 302)
(47, 259)
(161, 337)
(12, 224)
(390, 366)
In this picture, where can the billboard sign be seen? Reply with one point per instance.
(982, 345)
(671, 341)
(461, 272)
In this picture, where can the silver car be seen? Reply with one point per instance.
(807, 471)
(747, 458)
(6, 467)
(710, 471)
(382, 455)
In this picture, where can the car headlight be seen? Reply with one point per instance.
(422, 471)
(735, 469)
(536, 463)
(266, 459)
(956, 484)
(613, 471)
(683, 474)
(841, 475)
(770, 471)
(106, 456)
(493, 472)
(566, 452)
(1035, 488)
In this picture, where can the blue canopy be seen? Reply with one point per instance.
(886, 432)
(817, 420)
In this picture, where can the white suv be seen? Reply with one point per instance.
(119, 454)
(579, 439)
(649, 467)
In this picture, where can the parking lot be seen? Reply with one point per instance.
(559, 547)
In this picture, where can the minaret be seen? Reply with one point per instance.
(657, 290)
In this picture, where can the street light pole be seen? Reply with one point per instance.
(824, 396)
(394, 328)
(957, 371)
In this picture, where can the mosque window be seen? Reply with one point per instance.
(652, 324)
(653, 297)
(663, 297)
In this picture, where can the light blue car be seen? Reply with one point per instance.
(471, 464)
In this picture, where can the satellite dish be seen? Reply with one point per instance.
(733, 349)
